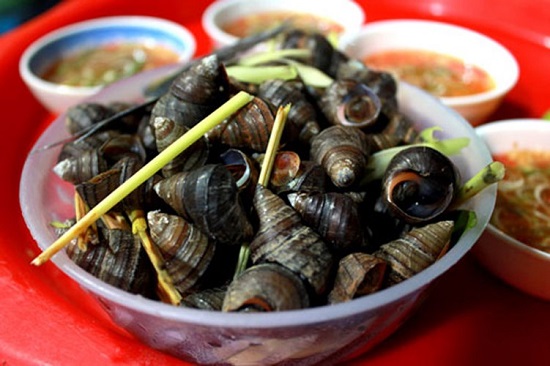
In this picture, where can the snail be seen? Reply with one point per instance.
(419, 184)
(343, 153)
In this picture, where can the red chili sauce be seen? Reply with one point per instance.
(438, 74)
(522, 208)
(256, 23)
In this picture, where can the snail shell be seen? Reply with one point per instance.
(194, 94)
(166, 132)
(343, 152)
(266, 287)
(75, 148)
(358, 274)
(81, 168)
(350, 103)
(208, 299)
(419, 184)
(335, 216)
(283, 238)
(323, 55)
(83, 115)
(186, 250)
(208, 197)
(382, 83)
(249, 128)
(118, 260)
(292, 174)
(302, 117)
(415, 250)
(122, 145)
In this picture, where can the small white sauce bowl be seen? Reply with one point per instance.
(465, 44)
(47, 50)
(518, 264)
(346, 13)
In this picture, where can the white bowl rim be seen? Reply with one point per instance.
(216, 32)
(80, 27)
(478, 98)
(515, 125)
(292, 318)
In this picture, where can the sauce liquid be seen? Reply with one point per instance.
(108, 63)
(256, 23)
(522, 209)
(438, 74)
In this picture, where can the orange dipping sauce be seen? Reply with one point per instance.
(255, 23)
(522, 208)
(438, 74)
(108, 63)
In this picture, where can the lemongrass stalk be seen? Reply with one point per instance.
(167, 291)
(147, 171)
(259, 74)
(492, 173)
(274, 55)
(265, 174)
(273, 145)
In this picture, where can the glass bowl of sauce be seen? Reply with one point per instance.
(467, 70)
(74, 62)
(516, 243)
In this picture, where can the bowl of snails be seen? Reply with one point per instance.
(248, 217)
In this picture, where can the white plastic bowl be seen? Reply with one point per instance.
(346, 13)
(519, 265)
(48, 49)
(465, 44)
(305, 337)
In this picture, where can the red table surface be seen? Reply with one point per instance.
(470, 318)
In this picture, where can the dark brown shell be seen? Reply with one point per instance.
(249, 128)
(187, 251)
(122, 145)
(194, 94)
(83, 115)
(283, 238)
(118, 260)
(264, 288)
(415, 250)
(323, 55)
(208, 197)
(350, 103)
(343, 152)
(245, 171)
(292, 174)
(167, 132)
(81, 168)
(335, 216)
(358, 274)
(302, 116)
(419, 184)
(208, 299)
(75, 148)
(381, 82)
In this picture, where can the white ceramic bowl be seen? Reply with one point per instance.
(304, 337)
(519, 265)
(348, 14)
(48, 49)
(467, 45)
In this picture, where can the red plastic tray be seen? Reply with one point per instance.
(470, 318)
